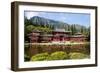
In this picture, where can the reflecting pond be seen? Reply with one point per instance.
(33, 49)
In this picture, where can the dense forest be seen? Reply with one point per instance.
(47, 25)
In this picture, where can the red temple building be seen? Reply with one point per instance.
(61, 35)
(57, 35)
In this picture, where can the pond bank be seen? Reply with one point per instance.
(58, 43)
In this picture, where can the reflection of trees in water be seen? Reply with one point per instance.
(35, 49)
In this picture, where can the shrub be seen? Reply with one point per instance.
(76, 55)
(26, 58)
(39, 57)
(59, 55)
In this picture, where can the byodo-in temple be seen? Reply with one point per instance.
(57, 35)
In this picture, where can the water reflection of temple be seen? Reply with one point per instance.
(57, 35)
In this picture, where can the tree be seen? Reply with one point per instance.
(82, 29)
(69, 28)
(29, 28)
(73, 29)
(88, 35)
(27, 22)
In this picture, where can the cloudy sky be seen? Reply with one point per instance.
(70, 18)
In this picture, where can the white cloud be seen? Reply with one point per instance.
(31, 14)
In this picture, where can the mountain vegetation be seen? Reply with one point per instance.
(47, 25)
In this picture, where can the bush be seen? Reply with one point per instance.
(39, 57)
(26, 57)
(60, 55)
(76, 55)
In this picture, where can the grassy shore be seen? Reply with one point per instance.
(58, 43)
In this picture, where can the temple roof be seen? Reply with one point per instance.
(36, 31)
(78, 36)
(46, 35)
(78, 33)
